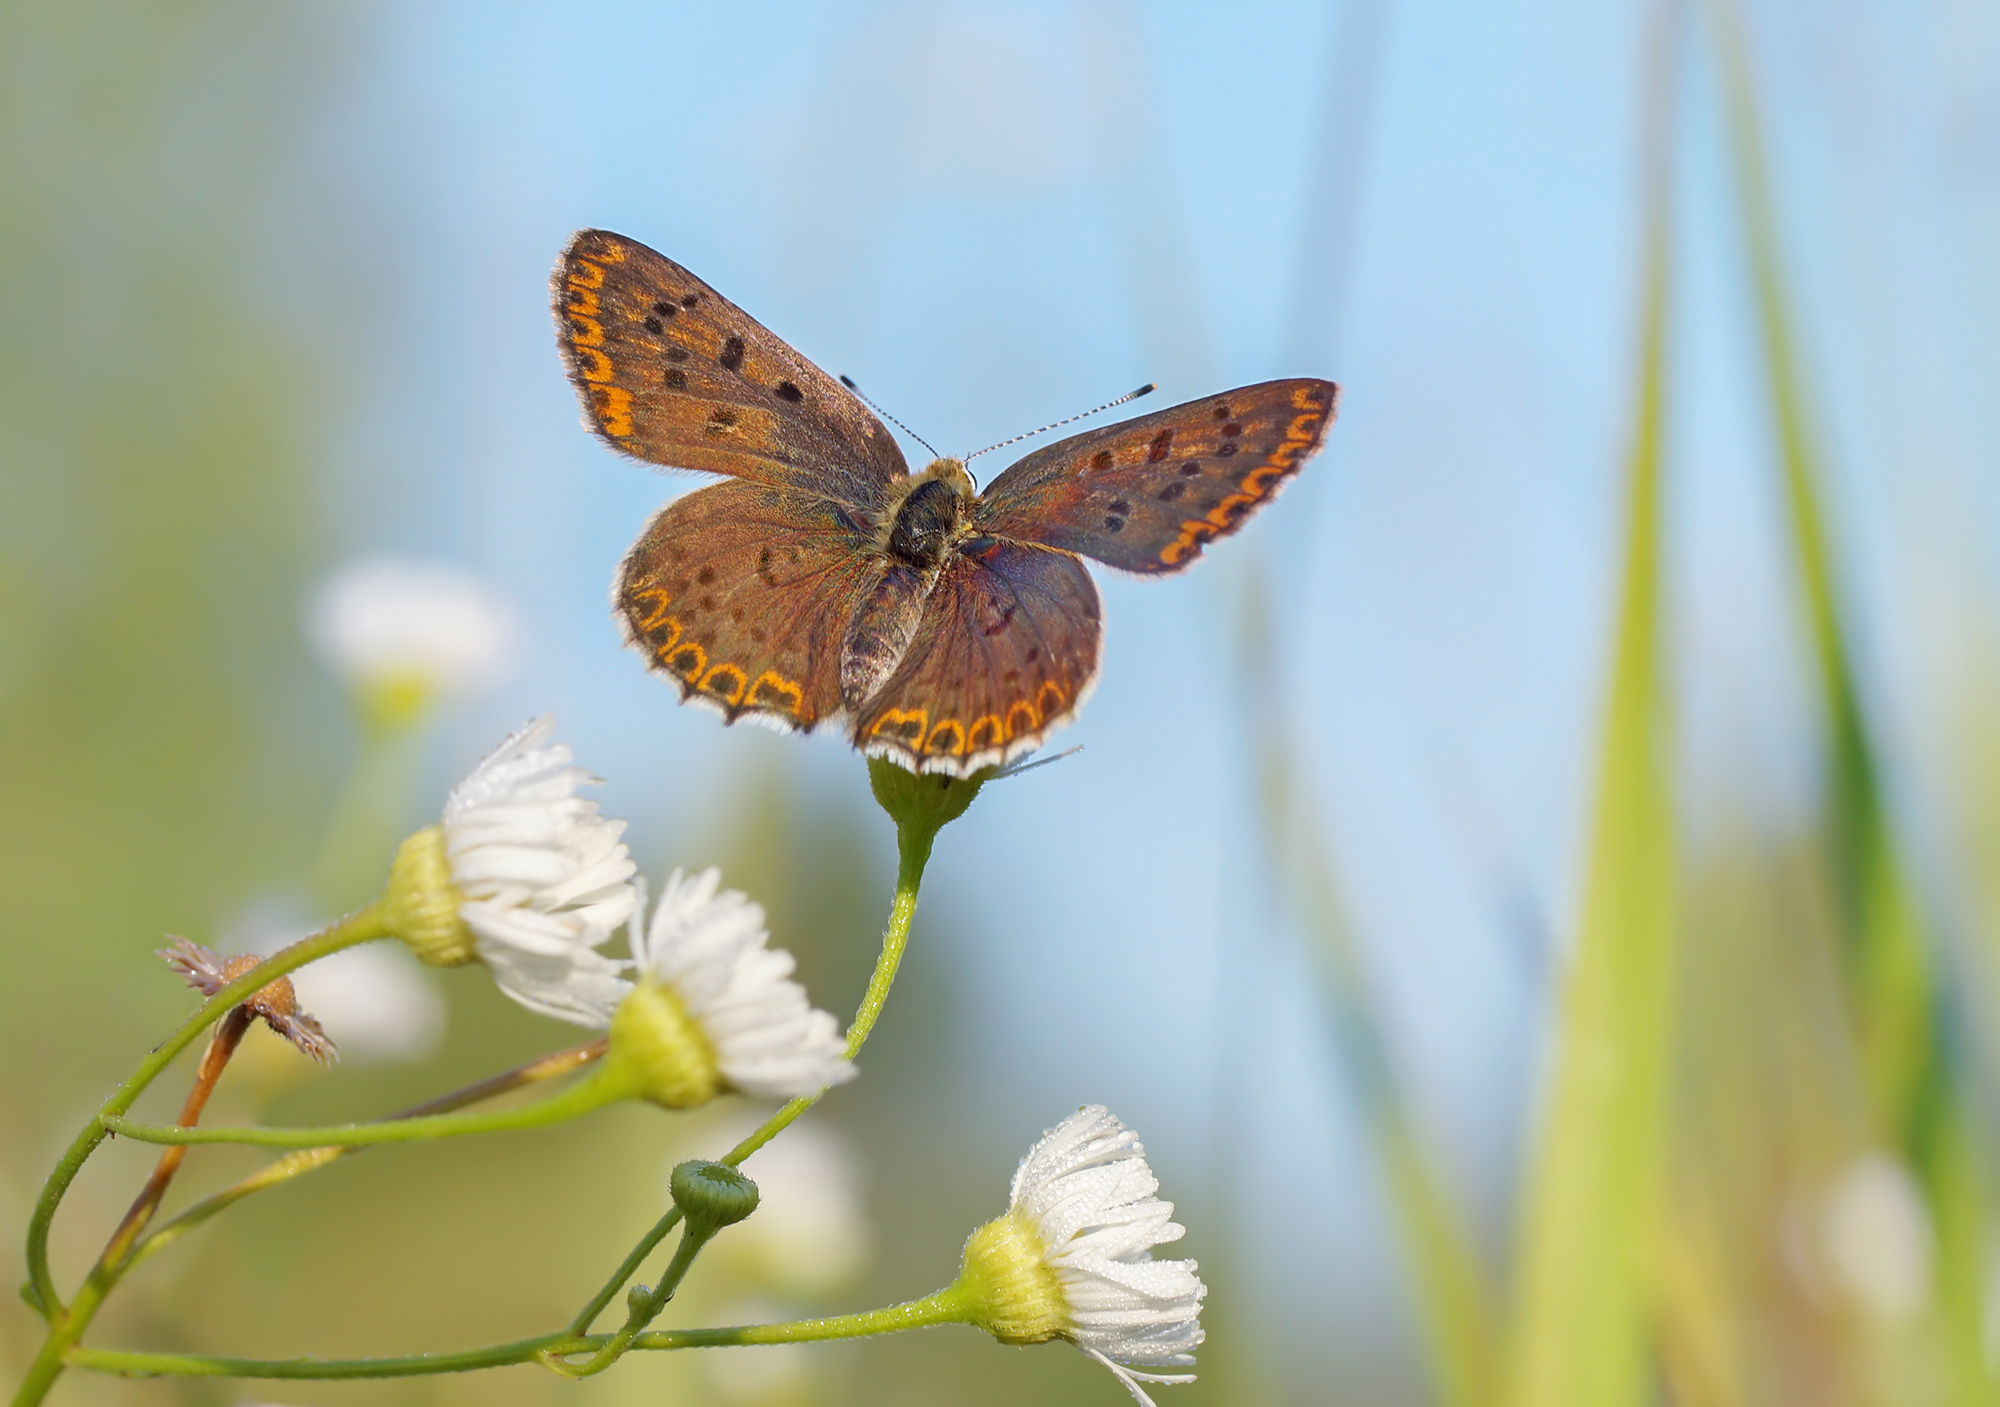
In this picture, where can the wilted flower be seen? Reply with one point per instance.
(1072, 1256)
(402, 633)
(375, 999)
(715, 1009)
(525, 876)
(208, 973)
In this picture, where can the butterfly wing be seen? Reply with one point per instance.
(1148, 494)
(1004, 653)
(672, 372)
(741, 593)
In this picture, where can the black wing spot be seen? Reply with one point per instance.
(1119, 505)
(705, 576)
(655, 326)
(1006, 619)
(1223, 451)
(788, 392)
(1232, 429)
(1190, 469)
(676, 354)
(1112, 525)
(676, 379)
(1162, 442)
(732, 354)
(1101, 460)
(665, 309)
(1171, 492)
(689, 300)
(1222, 412)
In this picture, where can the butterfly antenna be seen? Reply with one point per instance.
(1019, 767)
(1146, 389)
(848, 382)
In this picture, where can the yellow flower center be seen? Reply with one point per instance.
(658, 1047)
(421, 904)
(1014, 1292)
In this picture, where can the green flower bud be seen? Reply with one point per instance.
(421, 904)
(712, 1195)
(660, 1051)
(1011, 1290)
(925, 804)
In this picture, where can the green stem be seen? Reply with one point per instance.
(603, 1086)
(644, 1308)
(364, 925)
(947, 1306)
(915, 835)
(296, 1164)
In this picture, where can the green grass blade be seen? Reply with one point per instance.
(1582, 1312)
(1920, 1105)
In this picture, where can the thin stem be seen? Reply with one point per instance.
(601, 1088)
(221, 1046)
(913, 851)
(297, 1164)
(645, 1308)
(65, 1331)
(947, 1306)
(361, 926)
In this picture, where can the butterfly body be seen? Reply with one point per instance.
(950, 629)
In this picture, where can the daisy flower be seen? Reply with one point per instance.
(715, 1008)
(1072, 1257)
(524, 876)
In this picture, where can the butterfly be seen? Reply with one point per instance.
(949, 629)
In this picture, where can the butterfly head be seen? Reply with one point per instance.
(930, 514)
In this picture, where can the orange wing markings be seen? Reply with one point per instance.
(687, 659)
(901, 725)
(775, 693)
(656, 602)
(1302, 437)
(610, 406)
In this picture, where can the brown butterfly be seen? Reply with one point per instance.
(951, 629)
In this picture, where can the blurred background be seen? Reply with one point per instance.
(1534, 891)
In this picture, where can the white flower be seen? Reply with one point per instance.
(1072, 1258)
(715, 1007)
(422, 628)
(1879, 1240)
(525, 876)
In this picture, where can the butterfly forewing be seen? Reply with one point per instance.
(1005, 651)
(1148, 494)
(741, 593)
(672, 372)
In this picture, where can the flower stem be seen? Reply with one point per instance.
(111, 1262)
(221, 1046)
(305, 1160)
(916, 831)
(602, 1087)
(361, 926)
(643, 1308)
(947, 1306)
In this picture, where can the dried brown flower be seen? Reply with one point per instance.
(208, 973)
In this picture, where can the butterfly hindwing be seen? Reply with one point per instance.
(672, 372)
(1005, 651)
(742, 592)
(1146, 495)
